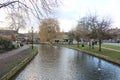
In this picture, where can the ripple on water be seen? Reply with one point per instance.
(56, 63)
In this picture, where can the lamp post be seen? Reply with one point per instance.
(32, 37)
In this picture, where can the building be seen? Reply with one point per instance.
(10, 34)
(115, 33)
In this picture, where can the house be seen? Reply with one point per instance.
(115, 31)
(11, 34)
(115, 34)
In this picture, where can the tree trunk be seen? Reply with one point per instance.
(17, 30)
(99, 44)
(78, 44)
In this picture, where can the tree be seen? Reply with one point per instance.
(16, 21)
(71, 34)
(49, 30)
(80, 31)
(75, 34)
(37, 9)
(7, 3)
(114, 34)
(99, 27)
(94, 27)
(83, 27)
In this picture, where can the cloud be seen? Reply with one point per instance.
(66, 24)
(72, 10)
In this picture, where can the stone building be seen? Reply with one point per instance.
(10, 34)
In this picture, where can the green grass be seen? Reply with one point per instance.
(111, 46)
(111, 54)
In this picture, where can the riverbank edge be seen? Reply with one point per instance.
(106, 58)
(21, 65)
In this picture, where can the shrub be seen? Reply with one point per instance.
(5, 43)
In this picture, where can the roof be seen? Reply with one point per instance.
(7, 32)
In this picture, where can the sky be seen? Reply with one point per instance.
(70, 11)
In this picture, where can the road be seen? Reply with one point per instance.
(13, 52)
(8, 59)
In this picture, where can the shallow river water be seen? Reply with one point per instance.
(58, 63)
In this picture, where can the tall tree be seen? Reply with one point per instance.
(49, 30)
(32, 9)
(75, 34)
(83, 27)
(81, 30)
(16, 21)
(38, 8)
(94, 27)
(99, 27)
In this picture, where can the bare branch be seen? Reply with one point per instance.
(9, 3)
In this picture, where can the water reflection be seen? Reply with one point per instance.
(57, 63)
(99, 64)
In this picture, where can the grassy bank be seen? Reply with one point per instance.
(111, 46)
(108, 55)
(17, 65)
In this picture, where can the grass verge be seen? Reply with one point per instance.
(111, 56)
(111, 46)
(19, 64)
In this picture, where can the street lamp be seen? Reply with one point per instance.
(32, 37)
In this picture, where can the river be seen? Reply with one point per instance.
(59, 63)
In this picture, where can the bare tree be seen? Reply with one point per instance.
(75, 34)
(40, 9)
(7, 3)
(81, 30)
(99, 27)
(16, 21)
(83, 27)
(94, 27)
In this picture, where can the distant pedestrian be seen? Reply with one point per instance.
(92, 44)
(89, 44)
(95, 42)
(82, 43)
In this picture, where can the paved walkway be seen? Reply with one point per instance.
(111, 49)
(114, 44)
(8, 59)
(13, 52)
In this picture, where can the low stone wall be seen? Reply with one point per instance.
(12, 72)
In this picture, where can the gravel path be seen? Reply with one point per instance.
(114, 44)
(7, 59)
(13, 52)
(111, 49)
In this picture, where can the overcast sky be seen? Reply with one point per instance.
(70, 11)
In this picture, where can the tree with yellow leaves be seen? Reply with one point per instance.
(49, 30)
